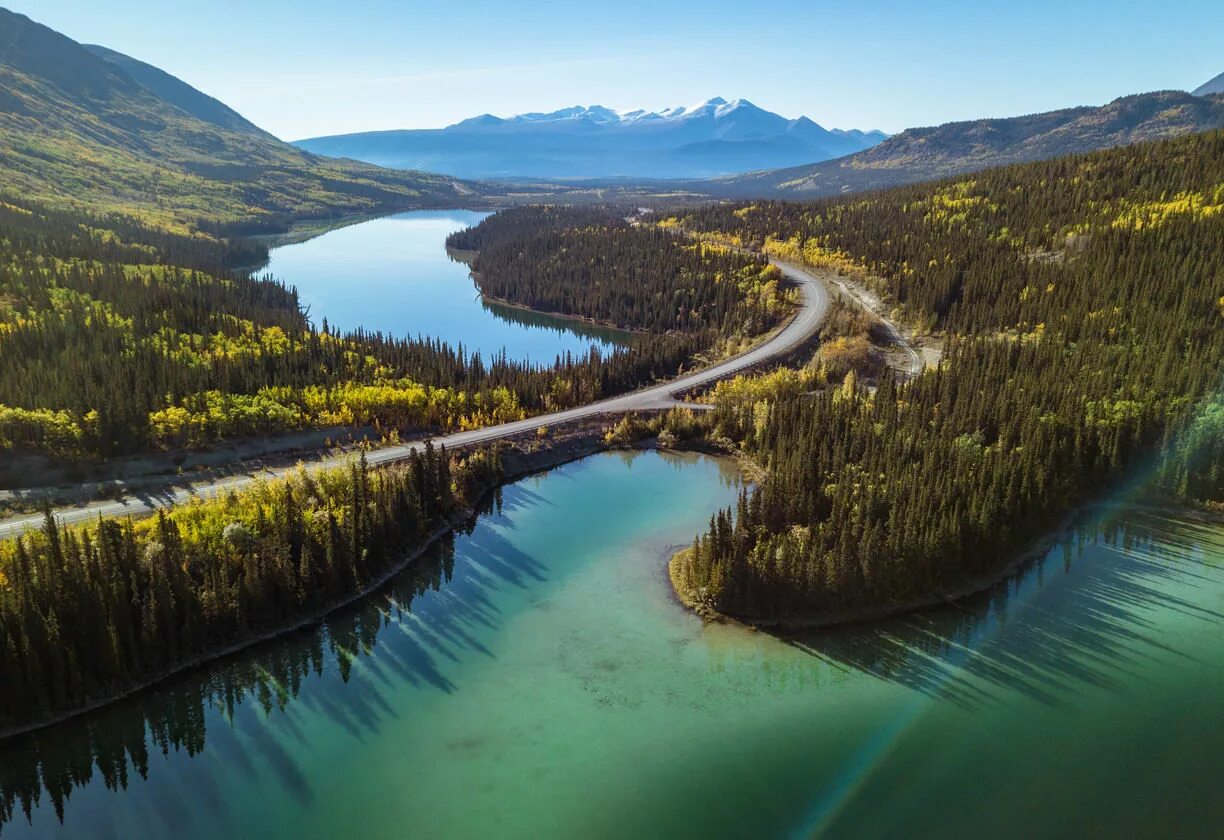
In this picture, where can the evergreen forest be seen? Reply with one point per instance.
(1081, 306)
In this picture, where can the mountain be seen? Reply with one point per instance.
(1216, 85)
(715, 137)
(175, 91)
(88, 127)
(920, 154)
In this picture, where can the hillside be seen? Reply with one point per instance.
(177, 92)
(715, 137)
(1216, 85)
(91, 128)
(920, 154)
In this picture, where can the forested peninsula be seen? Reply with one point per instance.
(592, 264)
(90, 613)
(1081, 301)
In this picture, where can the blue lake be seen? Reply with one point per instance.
(394, 275)
(535, 678)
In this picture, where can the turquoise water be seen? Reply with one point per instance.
(536, 679)
(393, 275)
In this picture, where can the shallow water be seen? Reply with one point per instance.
(393, 275)
(538, 680)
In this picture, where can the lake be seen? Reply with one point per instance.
(535, 678)
(394, 275)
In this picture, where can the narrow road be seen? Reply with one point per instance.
(916, 364)
(812, 311)
(895, 337)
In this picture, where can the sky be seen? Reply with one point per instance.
(302, 68)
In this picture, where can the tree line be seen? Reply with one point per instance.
(119, 744)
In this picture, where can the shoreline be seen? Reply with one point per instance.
(560, 316)
(307, 228)
(522, 463)
(468, 256)
(523, 458)
(1036, 549)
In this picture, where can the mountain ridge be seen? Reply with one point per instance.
(160, 150)
(585, 141)
(931, 152)
(175, 91)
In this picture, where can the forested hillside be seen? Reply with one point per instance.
(1083, 300)
(89, 128)
(592, 264)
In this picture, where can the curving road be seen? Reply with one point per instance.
(802, 326)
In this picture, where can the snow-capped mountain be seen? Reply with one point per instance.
(711, 138)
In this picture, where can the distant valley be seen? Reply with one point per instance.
(710, 139)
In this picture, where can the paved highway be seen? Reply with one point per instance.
(812, 311)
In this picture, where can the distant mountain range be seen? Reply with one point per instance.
(87, 126)
(920, 154)
(715, 137)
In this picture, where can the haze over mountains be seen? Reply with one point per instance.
(920, 154)
(712, 138)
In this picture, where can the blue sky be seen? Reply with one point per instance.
(307, 67)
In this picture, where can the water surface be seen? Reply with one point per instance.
(393, 275)
(537, 680)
